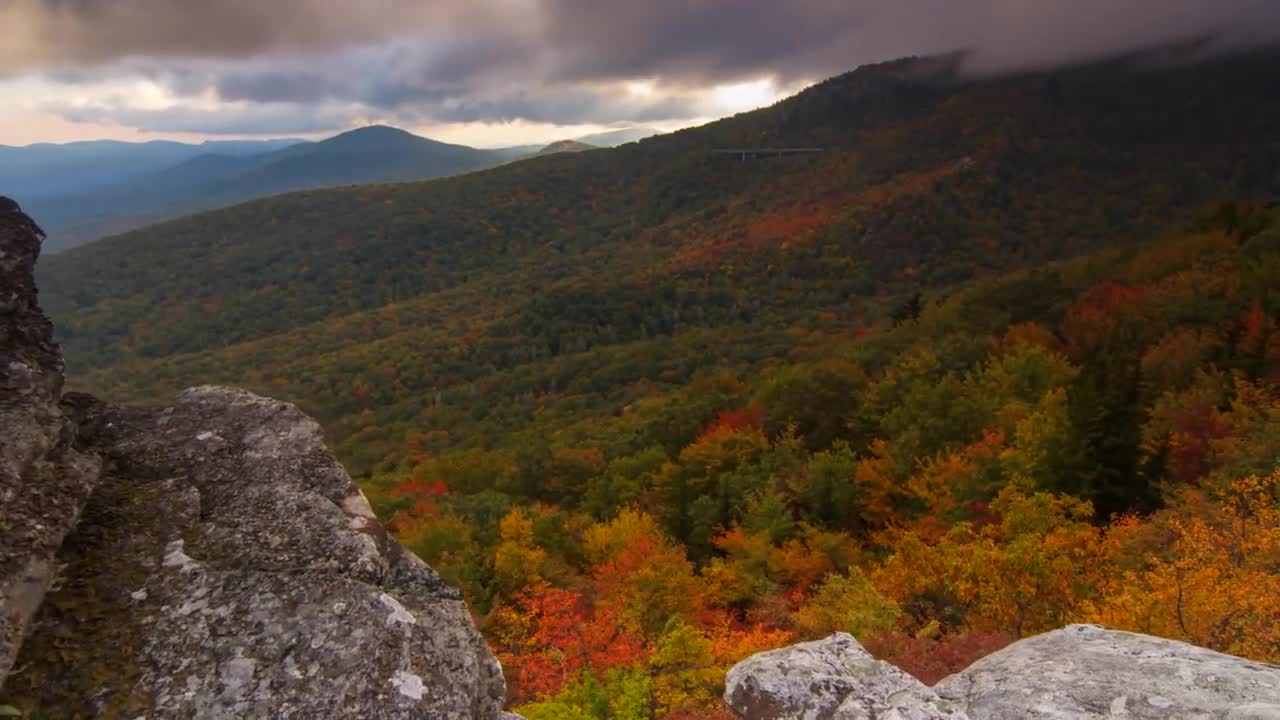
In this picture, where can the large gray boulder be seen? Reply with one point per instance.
(831, 679)
(1082, 672)
(210, 559)
(44, 481)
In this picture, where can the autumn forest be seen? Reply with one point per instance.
(1004, 356)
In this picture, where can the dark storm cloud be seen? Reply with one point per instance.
(93, 31)
(561, 60)
(576, 39)
(711, 39)
(714, 40)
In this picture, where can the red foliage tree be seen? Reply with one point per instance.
(567, 635)
(747, 418)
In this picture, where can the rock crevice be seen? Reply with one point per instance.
(210, 559)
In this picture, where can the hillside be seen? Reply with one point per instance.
(993, 361)
(1094, 440)
(928, 180)
(224, 176)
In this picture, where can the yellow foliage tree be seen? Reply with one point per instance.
(1219, 587)
(686, 674)
(1032, 571)
(846, 603)
(605, 540)
(517, 561)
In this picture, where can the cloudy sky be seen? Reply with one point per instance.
(494, 72)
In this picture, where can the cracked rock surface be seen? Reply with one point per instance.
(210, 559)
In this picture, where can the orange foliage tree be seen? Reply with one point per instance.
(1219, 583)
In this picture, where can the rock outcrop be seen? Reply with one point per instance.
(1081, 672)
(833, 678)
(1087, 671)
(44, 481)
(211, 559)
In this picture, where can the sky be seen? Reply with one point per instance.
(505, 72)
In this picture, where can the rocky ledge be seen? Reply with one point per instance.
(1081, 672)
(210, 559)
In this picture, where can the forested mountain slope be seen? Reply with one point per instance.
(992, 362)
(927, 179)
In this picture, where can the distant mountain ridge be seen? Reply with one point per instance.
(48, 169)
(614, 138)
(172, 180)
(89, 189)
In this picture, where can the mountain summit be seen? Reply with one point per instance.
(374, 133)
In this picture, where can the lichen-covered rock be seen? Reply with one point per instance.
(44, 482)
(831, 679)
(1082, 672)
(206, 560)
(227, 567)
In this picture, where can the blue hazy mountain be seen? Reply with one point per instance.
(615, 138)
(162, 180)
(48, 169)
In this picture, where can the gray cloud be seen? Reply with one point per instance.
(381, 76)
(272, 119)
(569, 107)
(561, 60)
